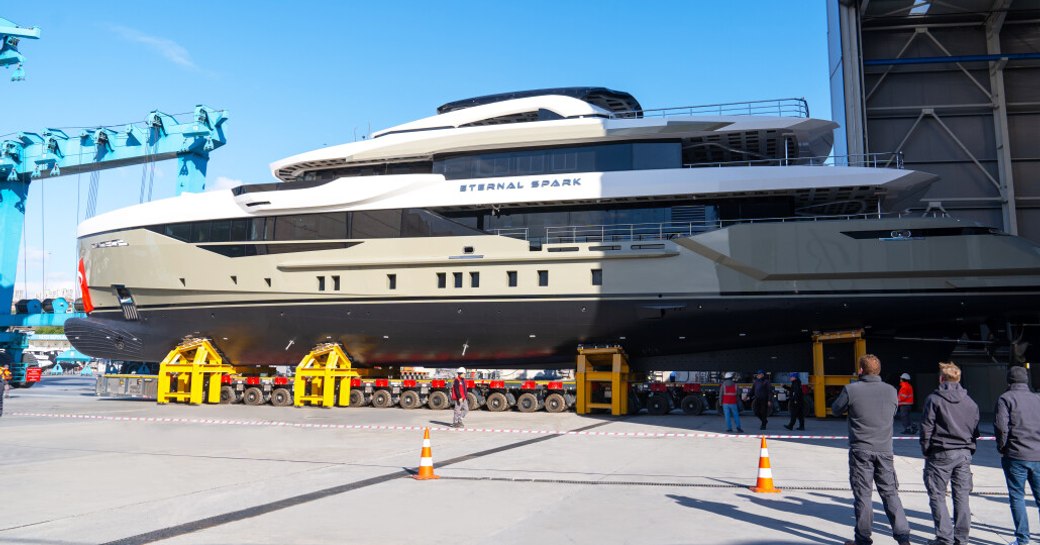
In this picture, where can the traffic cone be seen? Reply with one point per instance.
(426, 459)
(765, 473)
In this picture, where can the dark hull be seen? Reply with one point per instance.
(738, 332)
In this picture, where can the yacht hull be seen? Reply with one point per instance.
(740, 332)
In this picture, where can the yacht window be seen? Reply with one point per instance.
(511, 275)
(321, 283)
(442, 280)
(597, 277)
(543, 278)
(474, 279)
(200, 232)
(221, 230)
(376, 224)
(458, 279)
(335, 283)
(590, 158)
(391, 281)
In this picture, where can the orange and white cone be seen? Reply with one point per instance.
(426, 459)
(765, 473)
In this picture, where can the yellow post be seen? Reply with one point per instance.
(318, 374)
(818, 380)
(582, 406)
(185, 370)
(609, 365)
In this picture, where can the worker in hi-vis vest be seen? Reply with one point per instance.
(5, 377)
(729, 403)
(906, 402)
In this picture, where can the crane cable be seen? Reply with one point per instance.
(43, 241)
(92, 193)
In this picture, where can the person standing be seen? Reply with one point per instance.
(1017, 427)
(949, 430)
(5, 377)
(906, 402)
(730, 403)
(458, 397)
(871, 405)
(796, 403)
(762, 398)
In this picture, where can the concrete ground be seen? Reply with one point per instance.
(235, 474)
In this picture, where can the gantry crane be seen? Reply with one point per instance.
(32, 156)
(10, 35)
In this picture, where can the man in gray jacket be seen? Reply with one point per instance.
(949, 428)
(1017, 426)
(871, 405)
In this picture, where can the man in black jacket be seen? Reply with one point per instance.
(871, 405)
(762, 398)
(1017, 426)
(796, 403)
(949, 428)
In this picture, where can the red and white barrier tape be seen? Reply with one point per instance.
(379, 427)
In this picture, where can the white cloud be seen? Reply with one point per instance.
(171, 50)
(223, 182)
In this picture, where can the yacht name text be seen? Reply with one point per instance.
(533, 184)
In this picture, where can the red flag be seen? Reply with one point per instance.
(82, 277)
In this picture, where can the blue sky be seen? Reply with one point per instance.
(300, 75)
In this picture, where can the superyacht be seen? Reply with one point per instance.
(509, 229)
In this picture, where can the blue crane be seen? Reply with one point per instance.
(10, 35)
(29, 156)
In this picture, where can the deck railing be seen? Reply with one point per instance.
(629, 232)
(871, 160)
(781, 107)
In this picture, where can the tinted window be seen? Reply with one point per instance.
(376, 224)
(511, 275)
(543, 278)
(596, 158)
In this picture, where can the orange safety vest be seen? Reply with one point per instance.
(906, 393)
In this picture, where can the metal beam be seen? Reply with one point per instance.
(952, 59)
(994, 25)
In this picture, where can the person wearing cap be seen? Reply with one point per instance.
(762, 398)
(458, 397)
(796, 402)
(730, 403)
(1017, 426)
(906, 402)
(949, 430)
(871, 404)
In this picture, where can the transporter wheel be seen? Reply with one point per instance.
(253, 396)
(382, 399)
(658, 404)
(497, 402)
(527, 403)
(474, 402)
(634, 405)
(410, 400)
(438, 401)
(357, 398)
(281, 397)
(693, 405)
(227, 395)
(555, 403)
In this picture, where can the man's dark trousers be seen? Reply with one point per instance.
(867, 469)
(949, 467)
